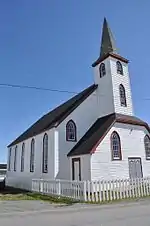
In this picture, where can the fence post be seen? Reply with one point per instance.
(84, 191)
(89, 191)
(41, 186)
(59, 188)
(32, 185)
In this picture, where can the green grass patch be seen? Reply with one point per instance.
(18, 194)
(123, 200)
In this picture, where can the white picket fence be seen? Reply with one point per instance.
(94, 191)
(70, 189)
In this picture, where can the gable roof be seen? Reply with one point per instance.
(56, 116)
(88, 143)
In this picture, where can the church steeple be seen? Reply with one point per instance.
(108, 46)
(112, 77)
(107, 41)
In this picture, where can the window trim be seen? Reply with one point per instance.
(119, 68)
(124, 102)
(15, 159)
(112, 151)
(43, 157)
(146, 137)
(32, 155)
(22, 157)
(102, 71)
(75, 131)
(9, 159)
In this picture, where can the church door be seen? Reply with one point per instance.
(135, 168)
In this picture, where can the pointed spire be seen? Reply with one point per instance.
(107, 42)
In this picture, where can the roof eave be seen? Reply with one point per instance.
(116, 56)
(132, 122)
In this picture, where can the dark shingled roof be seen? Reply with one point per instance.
(99, 129)
(56, 116)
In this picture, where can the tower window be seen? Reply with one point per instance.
(102, 70)
(122, 92)
(116, 146)
(147, 146)
(71, 131)
(119, 68)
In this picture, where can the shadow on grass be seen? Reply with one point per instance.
(13, 191)
(9, 193)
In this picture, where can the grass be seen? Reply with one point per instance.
(124, 200)
(17, 194)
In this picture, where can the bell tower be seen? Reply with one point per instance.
(112, 77)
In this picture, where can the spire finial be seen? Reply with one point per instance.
(107, 41)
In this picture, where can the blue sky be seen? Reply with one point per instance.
(52, 43)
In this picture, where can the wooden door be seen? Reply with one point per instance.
(135, 168)
(76, 169)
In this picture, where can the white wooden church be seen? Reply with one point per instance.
(92, 136)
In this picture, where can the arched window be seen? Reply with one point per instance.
(45, 153)
(116, 146)
(32, 152)
(122, 92)
(147, 146)
(102, 70)
(71, 131)
(9, 159)
(15, 159)
(119, 68)
(22, 157)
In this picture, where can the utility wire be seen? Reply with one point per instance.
(8, 85)
(34, 87)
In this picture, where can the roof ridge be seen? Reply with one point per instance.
(55, 116)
